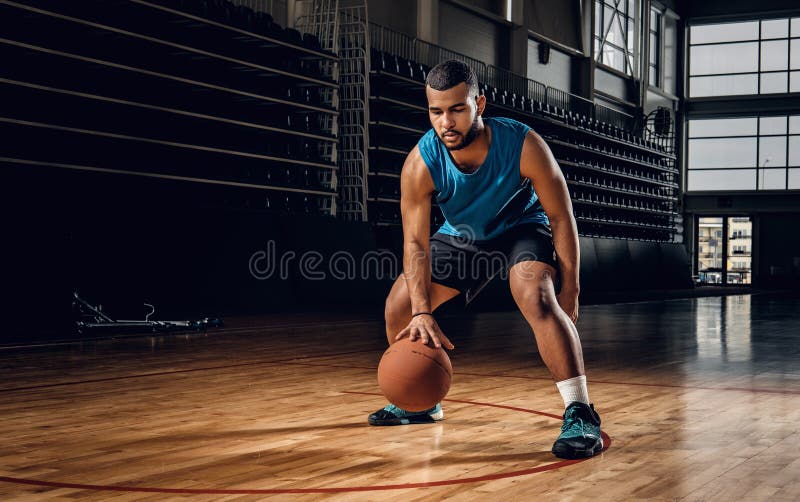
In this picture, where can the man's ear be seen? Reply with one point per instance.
(480, 100)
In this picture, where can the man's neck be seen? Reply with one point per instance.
(472, 157)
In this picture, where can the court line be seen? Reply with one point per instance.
(174, 372)
(343, 489)
(476, 403)
(641, 384)
(293, 361)
(187, 332)
(608, 382)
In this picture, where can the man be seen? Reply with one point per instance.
(501, 192)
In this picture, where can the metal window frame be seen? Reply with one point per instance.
(760, 41)
(658, 33)
(757, 136)
(629, 68)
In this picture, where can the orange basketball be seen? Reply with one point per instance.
(414, 376)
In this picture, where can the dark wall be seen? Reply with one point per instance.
(735, 8)
(776, 231)
(398, 16)
(462, 30)
(555, 19)
(779, 250)
(758, 202)
(122, 241)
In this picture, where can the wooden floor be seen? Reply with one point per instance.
(700, 399)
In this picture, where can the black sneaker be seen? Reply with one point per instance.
(580, 434)
(392, 415)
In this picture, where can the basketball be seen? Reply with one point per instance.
(414, 376)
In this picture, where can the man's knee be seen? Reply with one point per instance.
(537, 301)
(397, 306)
(535, 294)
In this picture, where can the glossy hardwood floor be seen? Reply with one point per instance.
(700, 399)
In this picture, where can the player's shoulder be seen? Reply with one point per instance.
(427, 139)
(415, 174)
(415, 164)
(508, 123)
(508, 130)
(533, 142)
(429, 151)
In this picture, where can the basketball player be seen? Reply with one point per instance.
(501, 192)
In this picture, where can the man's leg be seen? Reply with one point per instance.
(560, 348)
(556, 336)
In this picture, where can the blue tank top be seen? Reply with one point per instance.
(484, 204)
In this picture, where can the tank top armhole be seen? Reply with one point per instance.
(523, 129)
(425, 151)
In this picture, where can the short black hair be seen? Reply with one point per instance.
(449, 74)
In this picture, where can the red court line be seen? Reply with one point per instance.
(175, 372)
(549, 379)
(342, 489)
(476, 403)
(664, 385)
(371, 368)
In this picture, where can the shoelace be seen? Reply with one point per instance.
(394, 409)
(399, 412)
(571, 422)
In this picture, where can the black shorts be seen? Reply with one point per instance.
(469, 265)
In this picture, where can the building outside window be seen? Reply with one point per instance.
(741, 58)
(615, 34)
(724, 250)
(739, 250)
(709, 250)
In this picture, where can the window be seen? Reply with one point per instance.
(751, 57)
(669, 63)
(722, 252)
(739, 257)
(615, 34)
(654, 60)
(709, 255)
(744, 153)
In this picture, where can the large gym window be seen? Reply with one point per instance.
(615, 34)
(654, 60)
(751, 57)
(744, 153)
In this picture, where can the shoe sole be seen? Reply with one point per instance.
(572, 454)
(419, 419)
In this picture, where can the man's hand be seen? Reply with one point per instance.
(425, 328)
(568, 300)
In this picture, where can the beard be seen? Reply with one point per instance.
(466, 139)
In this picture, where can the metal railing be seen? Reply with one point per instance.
(614, 117)
(392, 42)
(319, 18)
(426, 53)
(507, 80)
(354, 43)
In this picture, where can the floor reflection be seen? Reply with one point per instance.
(716, 333)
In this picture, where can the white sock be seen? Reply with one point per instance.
(573, 389)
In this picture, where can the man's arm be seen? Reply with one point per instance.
(416, 188)
(538, 164)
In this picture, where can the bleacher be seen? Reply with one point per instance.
(218, 101)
